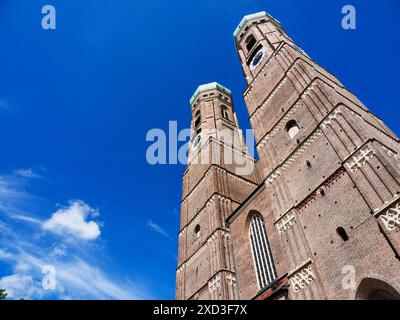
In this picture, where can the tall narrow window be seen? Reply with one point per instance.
(197, 231)
(262, 256)
(198, 119)
(224, 112)
(342, 234)
(292, 128)
(250, 42)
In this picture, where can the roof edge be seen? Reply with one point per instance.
(208, 87)
(251, 17)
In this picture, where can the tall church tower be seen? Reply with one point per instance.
(318, 217)
(219, 175)
(331, 173)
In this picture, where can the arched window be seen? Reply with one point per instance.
(374, 289)
(224, 112)
(262, 256)
(292, 128)
(197, 231)
(198, 119)
(342, 234)
(250, 42)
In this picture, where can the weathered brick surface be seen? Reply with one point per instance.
(329, 196)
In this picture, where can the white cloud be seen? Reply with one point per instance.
(20, 286)
(72, 220)
(4, 255)
(156, 228)
(83, 270)
(27, 173)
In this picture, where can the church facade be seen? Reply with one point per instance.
(318, 215)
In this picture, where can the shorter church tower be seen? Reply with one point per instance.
(219, 175)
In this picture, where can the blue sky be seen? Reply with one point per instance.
(76, 191)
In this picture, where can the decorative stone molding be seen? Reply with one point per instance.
(240, 179)
(182, 233)
(377, 211)
(182, 267)
(231, 280)
(223, 199)
(272, 178)
(302, 278)
(391, 153)
(225, 234)
(391, 218)
(214, 283)
(286, 222)
(310, 89)
(331, 118)
(360, 158)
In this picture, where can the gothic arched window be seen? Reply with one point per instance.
(292, 128)
(250, 42)
(224, 112)
(262, 255)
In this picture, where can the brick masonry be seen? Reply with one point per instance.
(327, 183)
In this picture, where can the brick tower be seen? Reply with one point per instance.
(215, 182)
(324, 220)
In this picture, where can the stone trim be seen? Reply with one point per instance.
(391, 153)
(302, 277)
(391, 219)
(390, 216)
(358, 160)
(286, 222)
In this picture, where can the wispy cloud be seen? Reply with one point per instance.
(156, 228)
(20, 286)
(27, 173)
(27, 244)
